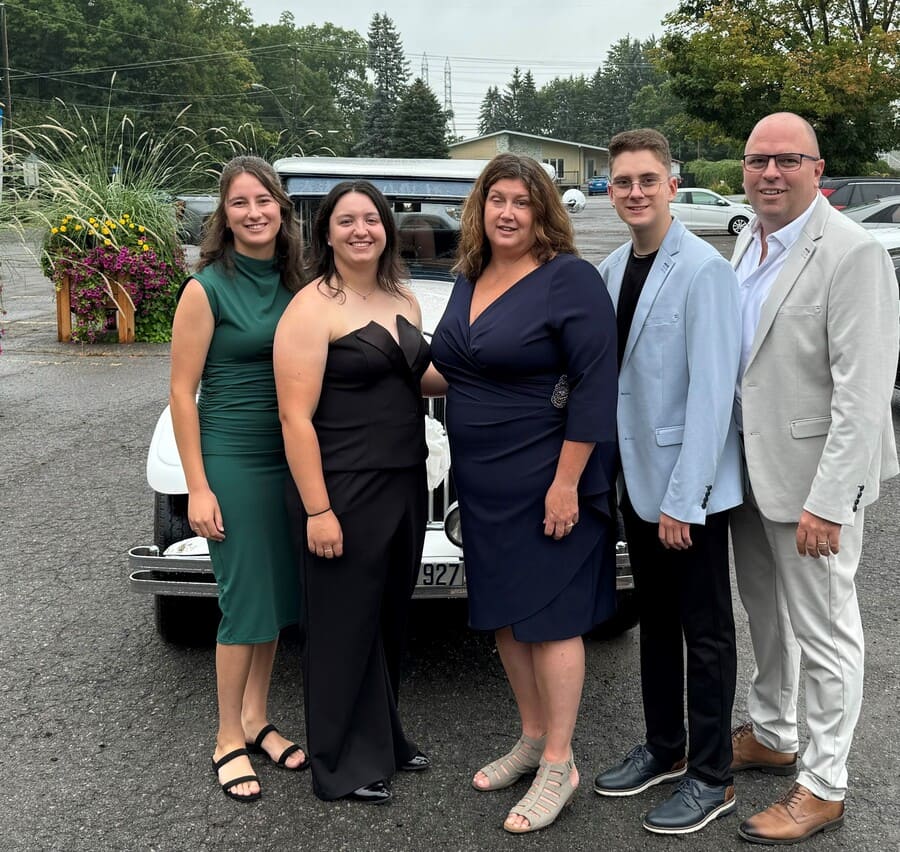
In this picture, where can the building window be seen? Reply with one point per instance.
(557, 163)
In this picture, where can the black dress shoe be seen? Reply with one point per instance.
(376, 793)
(416, 763)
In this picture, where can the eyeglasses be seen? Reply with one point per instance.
(649, 185)
(783, 162)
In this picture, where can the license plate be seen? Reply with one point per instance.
(436, 574)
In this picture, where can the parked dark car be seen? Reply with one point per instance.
(850, 191)
(192, 213)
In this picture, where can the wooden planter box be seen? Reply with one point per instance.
(121, 302)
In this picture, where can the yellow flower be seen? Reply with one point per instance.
(54, 230)
(145, 247)
(141, 228)
(62, 229)
(92, 221)
(104, 230)
(78, 227)
(131, 225)
(107, 243)
(123, 220)
(126, 215)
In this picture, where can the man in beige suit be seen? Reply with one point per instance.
(820, 336)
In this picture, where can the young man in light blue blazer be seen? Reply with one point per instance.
(679, 325)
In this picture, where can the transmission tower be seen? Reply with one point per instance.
(424, 74)
(448, 96)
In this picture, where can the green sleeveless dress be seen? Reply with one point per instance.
(243, 452)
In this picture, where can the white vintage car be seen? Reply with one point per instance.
(426, 197)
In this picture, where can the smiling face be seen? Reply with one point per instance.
(645, 214)
(253, 216)
(509, 217)
(780, 197)
(355, 231)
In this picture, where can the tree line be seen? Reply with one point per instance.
(289, 88)
(279, 89)
(719, 67)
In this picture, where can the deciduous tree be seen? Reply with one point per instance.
(833, 61)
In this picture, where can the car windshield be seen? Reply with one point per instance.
(426, 213)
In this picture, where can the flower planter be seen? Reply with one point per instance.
(120, 301)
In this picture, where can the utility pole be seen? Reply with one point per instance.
(6, 63)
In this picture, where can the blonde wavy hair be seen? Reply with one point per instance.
(552, 226)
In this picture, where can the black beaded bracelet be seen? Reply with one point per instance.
(316, 514)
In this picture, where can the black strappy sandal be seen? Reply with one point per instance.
(256, 748)
(227, 787)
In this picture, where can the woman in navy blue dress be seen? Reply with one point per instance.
(527, 347)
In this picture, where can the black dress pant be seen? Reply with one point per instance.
(684, 599)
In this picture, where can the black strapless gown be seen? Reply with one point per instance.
(371, 430)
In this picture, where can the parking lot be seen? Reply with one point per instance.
(109, 731)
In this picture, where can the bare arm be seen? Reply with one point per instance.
(301, 349)
(561, 502)
(433, 383)
(192, 331)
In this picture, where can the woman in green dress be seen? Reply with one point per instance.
(232, 452)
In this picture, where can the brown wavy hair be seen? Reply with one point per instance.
(217, 245)
(552, 226)
(391, 270)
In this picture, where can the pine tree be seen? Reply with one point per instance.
(420, 125)
(491, 117)
(391, 70)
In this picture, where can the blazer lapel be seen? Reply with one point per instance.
(798, 256)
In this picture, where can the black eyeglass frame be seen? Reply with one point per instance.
(770, 157)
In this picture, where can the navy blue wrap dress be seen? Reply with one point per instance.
(508, 414)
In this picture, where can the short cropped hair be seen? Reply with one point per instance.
(644, 139)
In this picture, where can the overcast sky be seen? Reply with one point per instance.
(484, 41)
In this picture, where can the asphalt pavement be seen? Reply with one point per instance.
(109, 730)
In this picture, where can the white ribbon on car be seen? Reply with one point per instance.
(438, 461)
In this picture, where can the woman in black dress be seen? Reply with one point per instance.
(349, 355)
(527, 346)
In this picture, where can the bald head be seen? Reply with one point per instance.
(786, 124)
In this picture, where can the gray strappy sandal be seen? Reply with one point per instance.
(550, 792)
(523, 758)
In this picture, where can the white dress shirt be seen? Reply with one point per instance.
(756, 279)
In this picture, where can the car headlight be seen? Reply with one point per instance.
(452, 527)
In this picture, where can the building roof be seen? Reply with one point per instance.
(529, 136)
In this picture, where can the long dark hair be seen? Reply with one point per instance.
(552, 227)
(218, 240)
(391, 269)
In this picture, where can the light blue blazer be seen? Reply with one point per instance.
(677, 436)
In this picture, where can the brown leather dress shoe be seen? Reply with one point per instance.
(795, 817)
(749, 753)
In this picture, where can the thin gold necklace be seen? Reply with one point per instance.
(363, 296)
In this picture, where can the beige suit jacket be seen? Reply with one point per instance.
(818, 432)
